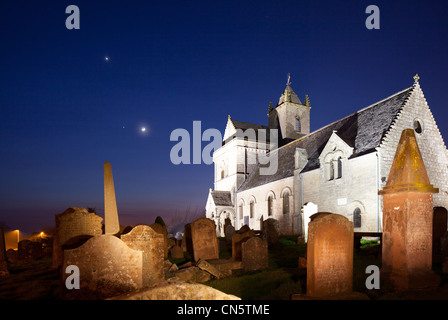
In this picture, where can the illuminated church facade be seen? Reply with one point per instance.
(338, 168)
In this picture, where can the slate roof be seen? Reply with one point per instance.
(246, 125)
(362, 130)
(222, 198)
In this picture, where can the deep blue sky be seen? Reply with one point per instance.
(63, 107)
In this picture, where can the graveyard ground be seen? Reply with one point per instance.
(37, 280)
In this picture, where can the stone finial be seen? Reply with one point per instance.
(271, 107)
(307, 100)
(416, 78)
(408, 172)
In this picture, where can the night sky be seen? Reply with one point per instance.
(65, 109)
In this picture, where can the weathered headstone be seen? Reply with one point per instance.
(439, 229)
(229, 231)
(254, 254)
(29, 250)
(107, 267)
(112, 225)
(237, 239)
(146, 239)
(408, 219)
(72, 223)
(176, 252)
(271, 231)
(329, 255)
(3, 262)
(162, 230)
(205, 242)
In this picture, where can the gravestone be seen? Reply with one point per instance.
(107, 267)
(244, 233)
(187, 243)
(408, 219)
(72, 223)
(271, 231)
(176, 252)
(3, 262)
(439, 229)
(204, 240)
(329, 255)
(29, 250)
(112, 225)
(146, 239)
(254, 254)
(162, 230)
(229, 231)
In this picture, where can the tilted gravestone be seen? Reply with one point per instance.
(329, 255)
(29, 250)
(107, 267)
(271, 231)
(73, 222)
(162, 230)
(146, 239)
(204, 240)
(3, 262)
(254, 254)
(408, 219)
(244, 233)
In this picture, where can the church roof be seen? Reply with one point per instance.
(362, 130)
(289, 96)
(246, 125)
(221, 198)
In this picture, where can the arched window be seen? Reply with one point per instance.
(298, 125)
(270, 205)
(252, 208)
(339, 175)
(286, 202)
(331, 170)
(357, 218)
(222, 174)
(240, 211)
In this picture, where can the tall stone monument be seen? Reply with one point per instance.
(408, 219)
(205, 242)
(112, 226)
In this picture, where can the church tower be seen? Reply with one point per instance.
(291, 117)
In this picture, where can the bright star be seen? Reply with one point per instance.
(106, 59)
(143, 129)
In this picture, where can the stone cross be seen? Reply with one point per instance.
(112, 226)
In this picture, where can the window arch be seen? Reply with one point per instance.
(251, 208)
(331, 170)
(357, 218)
(339, 174)
(298, 125)
(286, 202)
(270, 205)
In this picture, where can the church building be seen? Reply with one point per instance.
(338, 168)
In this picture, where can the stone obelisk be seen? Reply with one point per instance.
(112, 226)
(408, 219)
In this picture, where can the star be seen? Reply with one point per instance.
(106, 59)
(143, 129)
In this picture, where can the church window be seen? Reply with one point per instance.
(298, 125)
(339, 168)
(251, 211)
(286, 202)
(240, 211)
(270, 205)
(331, 170)
(222, 174)
(357, 218)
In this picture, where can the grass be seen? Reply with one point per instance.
(277, 282)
